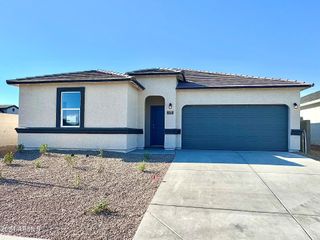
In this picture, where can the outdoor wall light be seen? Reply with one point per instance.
(170, 106)
(295, 105)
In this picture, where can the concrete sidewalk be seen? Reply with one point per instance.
(236, 195)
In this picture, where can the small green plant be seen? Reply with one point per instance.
(101, 153)
(20, 147)
(77, 181)
(100, 168)
(146, 156)
(43, 149)
(100, 207)
(8, 158)
(71, 161)
(38, 163)
(142, 166)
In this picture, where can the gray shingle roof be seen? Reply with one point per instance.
(5, 106)
(311, 97)
(83, 76)
(195, 79)
(188, 79)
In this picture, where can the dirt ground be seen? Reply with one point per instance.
(314, 152)
(53, 201)
(5, 149)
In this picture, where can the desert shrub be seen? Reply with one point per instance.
(43, 149)
(77, 181)
(38, 163)
(8, 158)
(101, 153)
(146, 157)
(20, 147)
(100, 168)
(100, 207)
(71, 161)
(142, 166)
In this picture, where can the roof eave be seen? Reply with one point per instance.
(138, 84)
(19, 82)
(254, 86)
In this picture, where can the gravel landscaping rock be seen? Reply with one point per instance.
(53, 201)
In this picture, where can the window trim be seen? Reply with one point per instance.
(59, 110)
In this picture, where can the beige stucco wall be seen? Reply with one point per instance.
(116, 142)
(312, 114)
(164, 86)
(8, 134)
(132, 107)
(244, 96)
(106, 105)
(37, 106)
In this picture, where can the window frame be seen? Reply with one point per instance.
(59, 108)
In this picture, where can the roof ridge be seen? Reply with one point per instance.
(113, 72)
(156, 68)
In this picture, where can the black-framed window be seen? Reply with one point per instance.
(70, 108)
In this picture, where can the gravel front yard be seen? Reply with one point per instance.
(53, 201)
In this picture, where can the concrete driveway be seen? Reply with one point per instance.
(236, 195)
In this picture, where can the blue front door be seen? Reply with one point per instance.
(157, 125)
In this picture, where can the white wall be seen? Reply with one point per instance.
(106, 105)
(164, 86)
(132, 107)
(312, 114)
(8, 134)
(116, 142)
(37, 105)
(244, 96)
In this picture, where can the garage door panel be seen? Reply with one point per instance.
(254, 127)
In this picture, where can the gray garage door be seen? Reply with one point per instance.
(230, 127)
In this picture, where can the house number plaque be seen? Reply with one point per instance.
(170, 112)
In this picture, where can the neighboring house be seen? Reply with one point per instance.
(310, 110)
(170, 108)
(10, 109)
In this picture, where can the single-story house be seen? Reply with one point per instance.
(10, 109)
(310, 110)
(168, 108)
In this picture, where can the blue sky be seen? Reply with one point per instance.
(262, 38)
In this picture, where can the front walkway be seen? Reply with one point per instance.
(236, 195)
